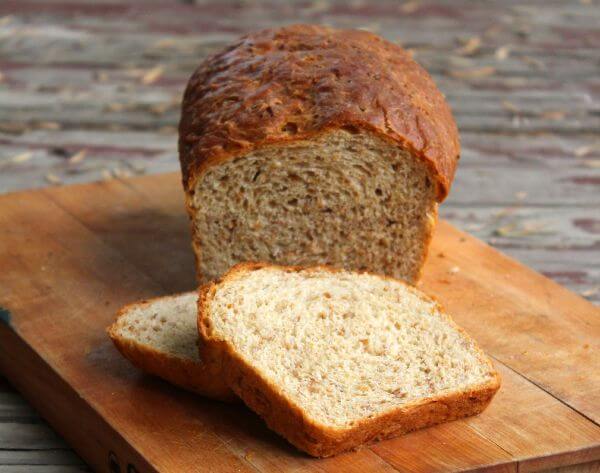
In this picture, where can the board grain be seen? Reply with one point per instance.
(71, 256)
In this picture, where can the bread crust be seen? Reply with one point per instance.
(278, 86)
(316, 439)
(202, 378)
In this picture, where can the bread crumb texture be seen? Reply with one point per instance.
(168, 325)
(349, 200)
(344, 346)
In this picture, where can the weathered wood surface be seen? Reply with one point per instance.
(90, 91)
(53, 345)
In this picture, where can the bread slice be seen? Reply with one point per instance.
(334, 359)
(291, 154)
(160, 336)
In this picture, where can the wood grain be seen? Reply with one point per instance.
(75, 254)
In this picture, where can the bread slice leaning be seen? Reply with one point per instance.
(160, 337)
(333, 359)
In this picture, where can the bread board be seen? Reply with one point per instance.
(71, 256)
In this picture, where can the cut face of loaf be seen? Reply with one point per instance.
(349, 200)
(160, 336)
(334, 359)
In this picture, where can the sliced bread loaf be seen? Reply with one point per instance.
(333, 359)
(292, 154)
(160, 336)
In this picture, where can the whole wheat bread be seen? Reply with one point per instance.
(334, 359)
(312, 145)
(160, 336)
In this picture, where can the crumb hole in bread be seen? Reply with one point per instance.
(378, 192)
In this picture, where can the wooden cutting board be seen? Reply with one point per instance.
(71, 256)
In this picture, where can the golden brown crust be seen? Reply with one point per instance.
(281, 85)
(428, 236)
(202, 378)
(290, 420)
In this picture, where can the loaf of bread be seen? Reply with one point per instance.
(307, 145)
(334, 359)
(160, 336)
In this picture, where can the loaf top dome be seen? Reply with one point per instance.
(292, 83)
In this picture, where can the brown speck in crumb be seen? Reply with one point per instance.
(586, 346)
(441, 254)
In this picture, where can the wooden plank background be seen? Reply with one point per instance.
(90, 90)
